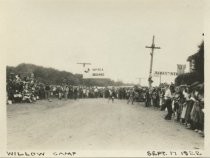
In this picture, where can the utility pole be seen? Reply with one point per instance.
(152, 47)
(160, 79)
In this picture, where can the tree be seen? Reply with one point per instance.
(53, 76)
(198, 74)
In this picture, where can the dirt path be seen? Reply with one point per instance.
(94, 124)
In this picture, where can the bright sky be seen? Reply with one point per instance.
(108, 33)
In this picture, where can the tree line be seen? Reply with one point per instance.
(56, 77)
(198, 74)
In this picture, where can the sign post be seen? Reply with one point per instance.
(83, 64)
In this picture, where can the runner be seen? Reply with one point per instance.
(111, 95)
(131, 96)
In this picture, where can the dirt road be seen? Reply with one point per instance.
(95, 124)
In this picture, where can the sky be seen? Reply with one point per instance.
(107, 33)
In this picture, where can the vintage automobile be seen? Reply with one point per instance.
(140, 94)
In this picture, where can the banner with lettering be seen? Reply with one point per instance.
(157, 73)
(93, 72)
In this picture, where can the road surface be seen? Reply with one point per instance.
(95, 124)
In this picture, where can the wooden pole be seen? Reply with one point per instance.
(152, 47)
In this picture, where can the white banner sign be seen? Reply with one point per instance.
(93, 72)
(157, 73)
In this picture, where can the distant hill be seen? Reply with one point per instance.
(53, 76)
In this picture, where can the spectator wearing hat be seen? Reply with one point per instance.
(147, 98)
(47, 92)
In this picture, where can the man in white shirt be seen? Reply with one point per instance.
(168, 93)
(168, 102)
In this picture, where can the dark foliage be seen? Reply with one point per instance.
(187, 78)
(53, 76)
(198, 74)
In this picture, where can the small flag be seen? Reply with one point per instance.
(181, 69)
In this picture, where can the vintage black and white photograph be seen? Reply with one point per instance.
(104, 75)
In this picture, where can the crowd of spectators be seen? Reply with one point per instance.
(184, 104)
(29, 90)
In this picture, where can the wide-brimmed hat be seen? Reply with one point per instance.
(194, 84)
